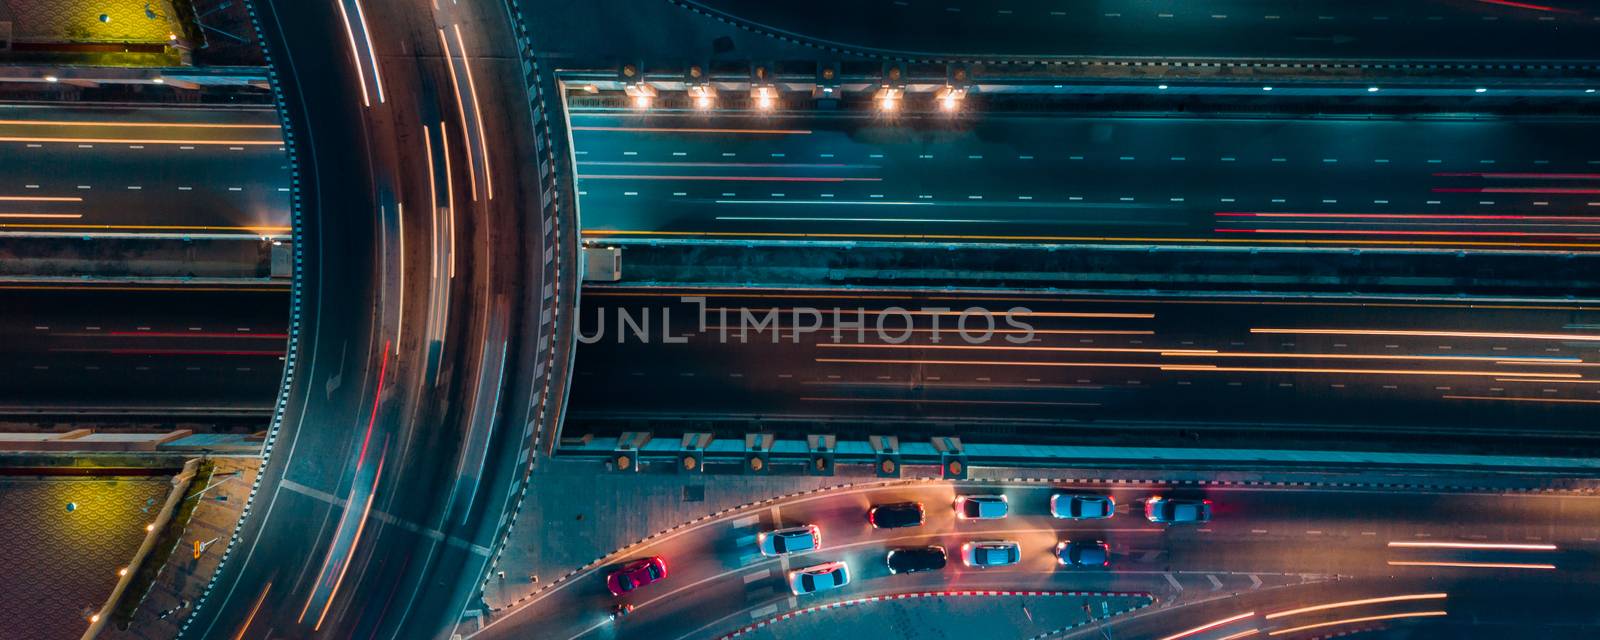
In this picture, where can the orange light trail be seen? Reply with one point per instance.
(984, 347)
(1433, 334)
(1048, 299)
(355, 59)
(41, 215)
(994, 363)
(1241, 634)
(250, 619)
(1056, 239)
(40, 199)
(1515, 399)
(241, 143)
(930, 312)
(1330, 623)
(941, 401)
(1357, 603)
(728, 178)
(461, 108)
(1471, 565)
(477, 112)
(775, 132)
(1536, 380)
(1209, 626)
(107, 123)
(1398, 372)
(1374, 356)
(1527, 176)
(256, 230)
(1411, 544)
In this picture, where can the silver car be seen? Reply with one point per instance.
(991, 553)
(1082, 506)
(982, 507)
(822, 577)
(805, 537)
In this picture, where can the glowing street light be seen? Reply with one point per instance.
(889, 99)
(643, 95)
(704, 96)
(765, 98)
(950, 98)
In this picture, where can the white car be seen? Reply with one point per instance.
(1082, 506)
(982, 507)
(991, 553)
(805, 537)
(822, 577)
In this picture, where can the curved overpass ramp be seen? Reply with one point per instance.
(427, 302)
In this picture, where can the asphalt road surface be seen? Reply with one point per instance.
(142, 170)
(1361, 29)
(1280, 365)
(387, 479)
(1267, 552)
(983, 177)
(150, 350)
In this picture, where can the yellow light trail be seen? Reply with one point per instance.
(1432, 334)
(249, 620)
(1357, 603)
(241, 143)
(942, 401)
(1373, 356)
(1536, 380)
(259, 230)
(990, 298)
(779, 132)
(1330, 623)
(112, 123)
(41, 215)
(983, 347)
(461, 108)
(928, 312)
(1509, 546)
(40, 199)
(1209, 626)
(1052, 239)
(994, 363)
(1515, 399)
(1397, 372)
(1471, 565)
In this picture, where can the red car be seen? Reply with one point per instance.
(636, 574)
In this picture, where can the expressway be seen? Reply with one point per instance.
(1031, 29)
(158, 171)
(149, 350)
(399, 439)
(1268, 551)
(1085, 365)
(1476, 183)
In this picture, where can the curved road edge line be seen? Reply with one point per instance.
(955, 593)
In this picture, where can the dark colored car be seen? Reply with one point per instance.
(916, 559)
(636, 574)
(897, 515)
(1083, 553)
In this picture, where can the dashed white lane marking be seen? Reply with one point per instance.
(1258, 531)
(758, 575)
(746, 521)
